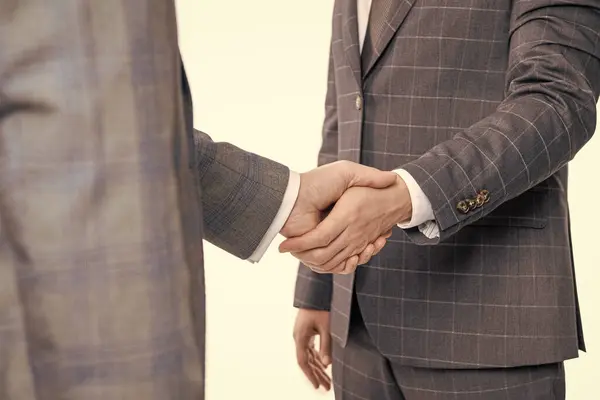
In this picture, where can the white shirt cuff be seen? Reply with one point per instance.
(422, 212)
(289, 200)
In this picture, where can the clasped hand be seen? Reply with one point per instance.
(344, 215)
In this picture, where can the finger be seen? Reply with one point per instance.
(350, 266)
(326, 257)
(317, 363)
(320, 372)
(371, 177)
(340, 263)
(325, 346)
(314, 358)
(335, 270)
(379, 245)
(346, 267)
(309, 372)
(316, 269)
(321, 237)
(302, 357)
(335, 266)
(367, 253)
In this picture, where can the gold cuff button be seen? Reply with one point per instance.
(462, 206)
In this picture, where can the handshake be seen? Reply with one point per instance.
(344, 215)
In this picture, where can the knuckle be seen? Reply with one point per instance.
(352, 218)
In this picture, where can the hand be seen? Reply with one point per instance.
(322, 187)
(310, 323)
(358, 218)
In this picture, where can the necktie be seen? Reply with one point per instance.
(375, 25)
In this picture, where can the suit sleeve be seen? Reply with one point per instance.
(548, 115)
(314, 290)
(241, 193)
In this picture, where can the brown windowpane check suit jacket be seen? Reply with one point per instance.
(104, 202)
(467, 96)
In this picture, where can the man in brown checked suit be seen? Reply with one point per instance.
(106, 195)
(479, 105)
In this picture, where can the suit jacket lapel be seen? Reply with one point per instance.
(396, 13)
(350, 36)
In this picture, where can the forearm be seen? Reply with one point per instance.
(241, 194)
(289, 200)
(548, 115)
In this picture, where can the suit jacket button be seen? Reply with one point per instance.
(358, 103)
(462, 206)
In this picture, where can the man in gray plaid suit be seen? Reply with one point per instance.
(478, 105)
(106, 194)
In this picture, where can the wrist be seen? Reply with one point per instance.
(292, 200)
(402, 201)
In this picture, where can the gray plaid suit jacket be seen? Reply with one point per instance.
(106, 194)
(466, 95)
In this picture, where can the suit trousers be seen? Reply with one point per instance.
(361, 372)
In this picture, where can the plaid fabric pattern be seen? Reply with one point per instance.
(360, 372)
(103, 201)
(467, 95)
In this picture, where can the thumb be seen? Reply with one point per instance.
(325, 348)
(371, 177)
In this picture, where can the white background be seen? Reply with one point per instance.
(258, 75)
